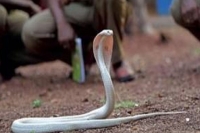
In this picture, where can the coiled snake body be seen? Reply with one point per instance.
(102, 48)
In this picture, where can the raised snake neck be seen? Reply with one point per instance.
(102, 48)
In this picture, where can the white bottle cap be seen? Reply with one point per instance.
(78, 41)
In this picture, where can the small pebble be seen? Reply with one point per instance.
(187, 119)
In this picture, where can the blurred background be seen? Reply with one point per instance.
(160, 7)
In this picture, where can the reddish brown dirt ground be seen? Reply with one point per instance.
(167, 79)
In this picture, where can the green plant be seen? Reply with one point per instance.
(122, 104)
(125, 104)
(36, 103)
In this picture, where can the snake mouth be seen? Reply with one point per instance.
(106, 32)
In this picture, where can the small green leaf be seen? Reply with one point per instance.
(36, 103)
(126, 104)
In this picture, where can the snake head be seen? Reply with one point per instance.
(104, 40)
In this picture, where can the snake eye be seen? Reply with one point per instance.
(109, 32)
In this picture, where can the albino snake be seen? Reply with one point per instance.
(102, 48)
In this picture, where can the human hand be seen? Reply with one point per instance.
(66, 36)
(190, 11)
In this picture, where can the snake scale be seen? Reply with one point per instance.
(102, 49)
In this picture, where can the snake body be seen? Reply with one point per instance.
(102, 49)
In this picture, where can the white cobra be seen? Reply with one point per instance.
(102, 48)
